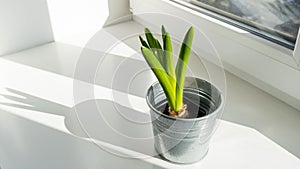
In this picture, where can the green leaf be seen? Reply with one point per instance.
(144, 43)
(164, 79)
(160, 60)
(181, 67)
(154, 45)
(163, 32)
(168, 57)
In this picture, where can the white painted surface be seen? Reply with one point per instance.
(297, 49)
(118, 11)
(37, 117)
(243, 106)
(76, 21)
(23, 24)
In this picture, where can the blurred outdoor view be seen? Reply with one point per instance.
(280, 18)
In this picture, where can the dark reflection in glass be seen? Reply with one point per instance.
(276, 17)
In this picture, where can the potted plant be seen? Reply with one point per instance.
(183, 109)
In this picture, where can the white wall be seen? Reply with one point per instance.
(28, 23)
(75, 21)
(23, 24)
(118, 11)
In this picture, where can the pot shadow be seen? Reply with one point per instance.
(99, 119)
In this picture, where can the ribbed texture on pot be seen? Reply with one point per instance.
(185, 140)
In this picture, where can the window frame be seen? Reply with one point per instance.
(296, 53)
(279, 73)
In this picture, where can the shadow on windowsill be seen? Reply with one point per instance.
(101, 120)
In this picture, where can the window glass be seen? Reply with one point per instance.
(276, 20)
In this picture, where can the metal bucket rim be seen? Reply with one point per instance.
(185, 119)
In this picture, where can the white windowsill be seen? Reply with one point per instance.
(257, 130)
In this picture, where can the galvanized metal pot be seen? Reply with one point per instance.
(185, 140)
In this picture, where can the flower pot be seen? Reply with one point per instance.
(185, 140)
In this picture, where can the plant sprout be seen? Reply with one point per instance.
(160, 60)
